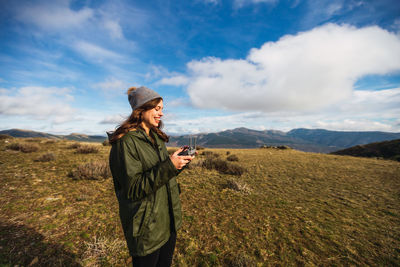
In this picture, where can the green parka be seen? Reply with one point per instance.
(147, 191)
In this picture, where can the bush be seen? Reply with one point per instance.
(74, 145)
(283, 147)
(237, 186)
(199, 148)
(51, 141)
(232, 158)
(228, 152)
(222, 166)
(210, 154)
(5, 136)
(87, 149)
(26, 148)
(46, 157)
(33, 140)
(239, 260)
(106, 143)
(97, 170)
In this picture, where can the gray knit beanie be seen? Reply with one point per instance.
(140, 96)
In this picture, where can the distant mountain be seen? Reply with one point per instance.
(27, 133)
(385, 149)
(322, 141)
(339, 138)
(319, 140)
(73, 136)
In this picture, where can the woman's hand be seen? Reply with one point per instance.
(180, 161)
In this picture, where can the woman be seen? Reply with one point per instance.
(144, 178)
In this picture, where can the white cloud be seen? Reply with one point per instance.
(354, 125)
(113, 119)
(396, 25)
(214, 2)
(365, 111)
(303, 72)
(175, 80)
(94, 52)
(114, 29)
(112, 85)
(241, 3)
(53, 15)
(40, 103)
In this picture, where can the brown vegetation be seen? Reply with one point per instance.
(222, 166)
(232, 158)
(74, 145)
(46, 157)
(86, 149)
(97, 170)
(26, 148)
(5, 136)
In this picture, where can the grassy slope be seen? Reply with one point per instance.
(303, 209)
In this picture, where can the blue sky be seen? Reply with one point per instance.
(263, 64)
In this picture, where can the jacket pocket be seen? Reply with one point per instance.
(141, 218)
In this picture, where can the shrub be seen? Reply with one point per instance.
(232, 158)
(26, 148)
(210, 154)
(46, 157)
(239, 260)
(97, 170)
(222, 166)
(87, 149)
(33, 140)
(283, 147)
(106, 143)
(5, 136)
(74, 145)
(199, 148)
(228, 152)
(51, 141)
(237, 186)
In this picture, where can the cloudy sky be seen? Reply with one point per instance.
(219, 64)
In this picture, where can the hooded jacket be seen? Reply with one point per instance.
(147, 192)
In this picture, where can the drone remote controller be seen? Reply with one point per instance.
(189, 150)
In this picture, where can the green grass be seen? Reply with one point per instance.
(298, 209)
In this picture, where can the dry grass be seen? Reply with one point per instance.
(232, 158)
(5, 136)
(96, 170)
(23, 147)
(238, 186)
(46, 157)
(222, 166)
(101, 251)
(301, 209)
(75, 145)
(86, 149)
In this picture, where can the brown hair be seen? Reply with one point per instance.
(135, 119)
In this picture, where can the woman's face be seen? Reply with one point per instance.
(153, 116)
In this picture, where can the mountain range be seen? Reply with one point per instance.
(309, 140)
(72, 136)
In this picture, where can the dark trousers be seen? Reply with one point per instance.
(162, 257)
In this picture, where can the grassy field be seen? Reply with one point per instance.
(289, 208)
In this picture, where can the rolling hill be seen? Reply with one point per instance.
(385, 149)
(72, 136)
(308, 140)
(318, 140)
